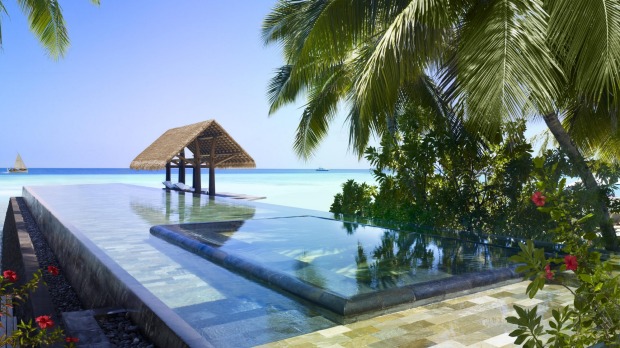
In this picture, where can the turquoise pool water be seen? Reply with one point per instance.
(226, 308)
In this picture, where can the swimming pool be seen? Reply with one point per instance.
(347, 268)
(366, 268)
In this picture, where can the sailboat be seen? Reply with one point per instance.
(19, 167)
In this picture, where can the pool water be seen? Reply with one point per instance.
(346, 268)
(227, 307)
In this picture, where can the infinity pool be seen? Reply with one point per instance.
(243, 299)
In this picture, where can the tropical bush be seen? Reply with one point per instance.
(594, 316)
(432, 172)
(27, 334)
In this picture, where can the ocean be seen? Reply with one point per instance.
(302, 188)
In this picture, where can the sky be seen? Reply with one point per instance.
(137, 68)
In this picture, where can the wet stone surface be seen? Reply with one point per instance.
(118, 328)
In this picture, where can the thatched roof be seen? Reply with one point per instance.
(199, 139)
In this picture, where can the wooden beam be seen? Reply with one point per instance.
(182, 167)
(212, 170)
(223, 154)
(225, 159)
(196, 170)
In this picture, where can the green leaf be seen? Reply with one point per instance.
(520, 339)
(539, 162)
(585, 218)
(589, 236)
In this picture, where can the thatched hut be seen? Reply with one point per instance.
(210, 145)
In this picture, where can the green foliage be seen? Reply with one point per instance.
(355, 199)
(431, 171)
(27, 333)
(594, 316)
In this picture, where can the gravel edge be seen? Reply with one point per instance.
(117, 327)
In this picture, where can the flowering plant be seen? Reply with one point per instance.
(594, 316)
(26, 333)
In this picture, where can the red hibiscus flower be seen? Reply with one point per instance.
(571, 262)
(53, 270)
(538, 199)
(44, 321)
(72, 339)
(548, 273)
(10, 276)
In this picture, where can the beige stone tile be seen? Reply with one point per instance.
(449, 344)
(529, 302)
(365, 331)
(405, 341)
(363, 341)
(417, 317)
(500, 340)
(415, 326)
(476, 320)
(389, 324)
(483, 299)
(472, 338)
(390, 333)
(440, 319)
(481, 345)
(333, 331)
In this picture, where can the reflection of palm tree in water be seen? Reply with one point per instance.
(397, 256)
(454, 262)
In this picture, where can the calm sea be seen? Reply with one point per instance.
(303, 188)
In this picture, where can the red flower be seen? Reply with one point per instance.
(538, 199)
(53, 270)
(72, 339)
(548, 273)
(44, 321)
(10, 276)
(571, 262)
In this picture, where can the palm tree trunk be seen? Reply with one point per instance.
(567, 145)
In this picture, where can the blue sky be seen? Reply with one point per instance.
(137, 68)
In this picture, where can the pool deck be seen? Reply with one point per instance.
(476, 320)
(186, 301)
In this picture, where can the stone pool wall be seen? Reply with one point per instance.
(100, 282)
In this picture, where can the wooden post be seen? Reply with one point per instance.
(182, 166)
(168, 171)
(212, 169)
(197, 184)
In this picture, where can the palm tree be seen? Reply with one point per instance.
(47, 23)
(495, 60)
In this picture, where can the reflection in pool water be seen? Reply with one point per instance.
(309, 255)
(229, 309)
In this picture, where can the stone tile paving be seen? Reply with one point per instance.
(476, 320)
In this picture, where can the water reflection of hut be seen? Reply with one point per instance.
(210, 145)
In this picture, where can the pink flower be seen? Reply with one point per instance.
(44, 321)
(72, 339)
(53, 270)
(10, 276)
(571, 262)
(538, 199)
(548, 273)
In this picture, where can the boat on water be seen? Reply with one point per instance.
(321, 169)
(19, 166)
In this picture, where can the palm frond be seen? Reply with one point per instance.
(320, 110)
(502, 65)
(2, 11)
(585, 34)
(594, 130)
(401, 51)
(282, 89)
(47, 23)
